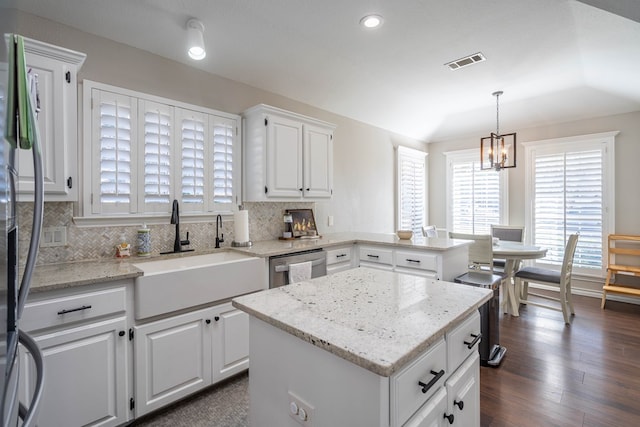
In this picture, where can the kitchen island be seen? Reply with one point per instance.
(361, 347)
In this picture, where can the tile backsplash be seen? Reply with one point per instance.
(84, 243)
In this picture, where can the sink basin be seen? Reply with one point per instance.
(187, 262)
(174, 284)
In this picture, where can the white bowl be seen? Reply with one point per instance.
(405, 234)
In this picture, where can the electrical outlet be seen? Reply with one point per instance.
(53, 236)
(300, 411)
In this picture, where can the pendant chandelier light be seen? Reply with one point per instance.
(498, 151)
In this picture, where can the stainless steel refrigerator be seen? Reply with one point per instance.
(19, 105)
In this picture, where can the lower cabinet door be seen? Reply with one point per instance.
(463, 393)
(85, 375)
(230, 341)
(432, 413)
(172, 359)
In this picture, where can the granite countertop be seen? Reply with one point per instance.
(269, 248)
(378, 320)
(79, 273)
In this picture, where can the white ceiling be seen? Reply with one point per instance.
(555, 60)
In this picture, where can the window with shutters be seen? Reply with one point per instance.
(412, 169)
(570, 190)
(475, 198)
(146, 151)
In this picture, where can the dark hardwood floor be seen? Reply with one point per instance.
(586, 374)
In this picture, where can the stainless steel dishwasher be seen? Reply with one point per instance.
(279, 265)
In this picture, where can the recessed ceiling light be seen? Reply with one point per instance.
(371, 21)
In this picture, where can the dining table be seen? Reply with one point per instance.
(513, 253)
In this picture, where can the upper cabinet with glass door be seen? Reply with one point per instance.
(287, 156)
(56, 69)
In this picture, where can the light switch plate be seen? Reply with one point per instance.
(53, 236)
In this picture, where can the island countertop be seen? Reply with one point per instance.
(378, 320)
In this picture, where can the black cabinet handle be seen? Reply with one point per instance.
(413, 260)
(121, 333)
(308, 189)
(459, 404)
(427, 386)
(84, 307)
(476, 338)
(299, 189)
(373, 256)
(216, 318)
(341, 255)
(449, 417)
(207, 321)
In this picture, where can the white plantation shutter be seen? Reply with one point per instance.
(411, 189)
(223, 138)
(476, 198)
(156, 136)
(568, 196)
(147, 151)
(114, 117)
(193, 134)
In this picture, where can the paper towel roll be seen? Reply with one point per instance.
(241, 226)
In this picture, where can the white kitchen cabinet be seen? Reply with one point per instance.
(379, 257)
(83, 335)
(172, 359)
(340, 259)
(463, 393)
(287, 156)
(230, 341)
(179, 355)
(56, 68)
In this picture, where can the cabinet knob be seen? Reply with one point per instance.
(207, 321)
(299, 189)
(459, 404)
(121, 333)
(216, 318)
(449, 418)
(308, 189)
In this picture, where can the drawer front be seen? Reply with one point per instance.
(376, 255)
(336, 256)
(58, 311)
(431, 413)
(416, 383)
(461, 338)
(417, 260)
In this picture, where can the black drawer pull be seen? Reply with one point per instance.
(459, 404)
(84, 307)
(341, 255)
(449, 417)
(373, 256)
(427, 386)
(476, 338)
(413, 260)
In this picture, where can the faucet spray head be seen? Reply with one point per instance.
(175, 215)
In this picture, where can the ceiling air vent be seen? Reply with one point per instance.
(467, 60)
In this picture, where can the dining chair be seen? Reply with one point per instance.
(480, 267)
(511, 233)
(560, 279)
(429, 231)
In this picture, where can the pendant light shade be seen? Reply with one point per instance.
(498, 151)
(195, 39)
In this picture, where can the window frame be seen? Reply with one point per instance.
(90, 216)
(418, 156)
(559, 146)
(473, 155)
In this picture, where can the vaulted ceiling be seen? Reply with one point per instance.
(555, 60)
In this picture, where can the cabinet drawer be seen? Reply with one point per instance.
(336, 256)
(376, 255)
(460, 339)
(431, 413)
(417, 260)
(417, 382)
(50, 312)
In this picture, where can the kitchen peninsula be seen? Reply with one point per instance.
(364, 347)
